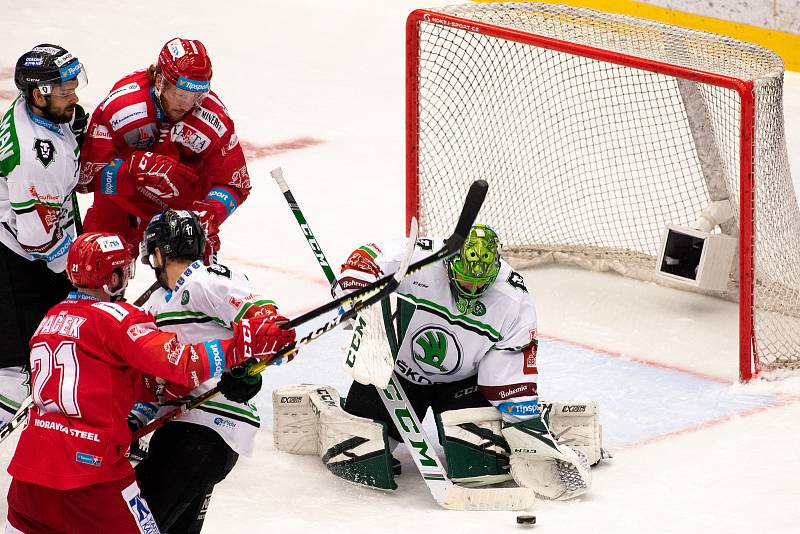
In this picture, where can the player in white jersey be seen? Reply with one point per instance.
(191, 454)
(38, 172)
(464, 343)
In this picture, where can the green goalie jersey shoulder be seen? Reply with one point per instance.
(9, 141)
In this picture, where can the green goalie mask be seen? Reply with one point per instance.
(475, 267)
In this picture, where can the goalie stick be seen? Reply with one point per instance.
(357, 301)
(444, 491)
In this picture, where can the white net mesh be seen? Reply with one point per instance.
(589, 159)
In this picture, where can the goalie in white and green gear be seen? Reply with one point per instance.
(464, 341)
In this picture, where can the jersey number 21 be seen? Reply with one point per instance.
(43, 364)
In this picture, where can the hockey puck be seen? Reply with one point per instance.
(526, 519)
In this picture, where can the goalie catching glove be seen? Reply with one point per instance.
(538, 461)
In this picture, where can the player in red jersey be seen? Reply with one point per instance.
(162, 139)
(89, 359)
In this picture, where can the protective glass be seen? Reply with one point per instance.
(192, 96)
(128, 272)
(72, 78)
(145, 252)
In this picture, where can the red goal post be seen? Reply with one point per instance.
(597, 130)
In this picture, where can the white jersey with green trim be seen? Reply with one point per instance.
(38, 172)
(495, 338)
(203, 305)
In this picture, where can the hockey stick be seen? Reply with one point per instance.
(444, 491)
(146, 295)
(257, 366)
(76, 214)
(448, 494)
(19, 417)
(357, 301)
(277, 174)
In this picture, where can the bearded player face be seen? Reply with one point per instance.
(59, 105)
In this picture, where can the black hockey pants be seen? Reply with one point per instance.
(184, 464)
(28, 289)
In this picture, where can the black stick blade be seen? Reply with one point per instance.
(472, 205)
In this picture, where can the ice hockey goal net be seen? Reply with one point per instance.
(594, 131)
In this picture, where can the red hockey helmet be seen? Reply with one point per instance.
(185, 64)
(93, 258)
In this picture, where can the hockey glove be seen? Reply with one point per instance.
(260, 338)
(260, 310)
(237, 386)
(209, 220)
(141, 414)
(80, 121)
(161, 175)
(134, 423)
(159, 178)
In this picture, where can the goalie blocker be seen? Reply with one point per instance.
(309, 420)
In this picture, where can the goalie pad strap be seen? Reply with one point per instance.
(308, 420)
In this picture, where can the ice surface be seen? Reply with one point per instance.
(695, 452)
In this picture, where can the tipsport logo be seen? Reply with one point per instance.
(216, 359)
(70, 71)
(193, 85)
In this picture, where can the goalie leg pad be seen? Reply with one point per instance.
(475, 450)
(577, 424)
(309, 420)
(295, 424)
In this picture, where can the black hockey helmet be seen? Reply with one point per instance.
(46, 66)
(176, 233)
